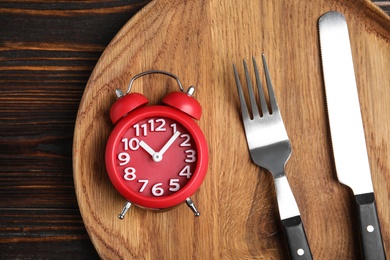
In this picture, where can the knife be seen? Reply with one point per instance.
(346, 129)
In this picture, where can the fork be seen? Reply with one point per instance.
(270, 148)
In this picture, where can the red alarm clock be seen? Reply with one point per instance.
(156, 156)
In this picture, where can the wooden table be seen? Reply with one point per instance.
(47, 53)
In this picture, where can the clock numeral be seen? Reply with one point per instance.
(157, 191)
(174, 127)
(138, 128)
(174, 185)
(130, 174)
(187, 140)
(161, 127)
(153, 125)
(145, 183)
(190, 157)
(124, 158)
(186, 172)
(133, 144)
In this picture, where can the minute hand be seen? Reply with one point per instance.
(169, 143)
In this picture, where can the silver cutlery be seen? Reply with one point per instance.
(270, 149)
(346, 129)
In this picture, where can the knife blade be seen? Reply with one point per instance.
(346, 129)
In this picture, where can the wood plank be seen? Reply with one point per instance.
(43, 233)
(47, 52)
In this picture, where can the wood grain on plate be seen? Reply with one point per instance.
(198, 41)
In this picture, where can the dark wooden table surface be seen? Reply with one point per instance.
(48, 50)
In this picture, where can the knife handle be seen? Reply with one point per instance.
(371, 243)
(294, 231)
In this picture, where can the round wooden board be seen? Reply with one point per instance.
(198, 41)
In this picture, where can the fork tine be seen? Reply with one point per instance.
(244, 108)
(263, 102)
(272, 97)
(255, 110)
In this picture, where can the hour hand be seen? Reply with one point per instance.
(147, 148)
(157, 157)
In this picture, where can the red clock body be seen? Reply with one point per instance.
(156, 156)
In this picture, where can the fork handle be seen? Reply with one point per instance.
(294, 231)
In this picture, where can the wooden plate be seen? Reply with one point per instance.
(198, 41)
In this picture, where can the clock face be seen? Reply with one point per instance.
(155, 159)
(156, 156)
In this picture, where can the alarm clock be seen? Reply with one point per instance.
(156, 155)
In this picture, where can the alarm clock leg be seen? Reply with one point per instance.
(191, 205)
(124, 210)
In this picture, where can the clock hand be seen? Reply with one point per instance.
(169, 143)
(147, 148)
(157, 156)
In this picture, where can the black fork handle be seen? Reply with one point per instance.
(294, 232)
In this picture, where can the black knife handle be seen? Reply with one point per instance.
(294, 231)
(371, 243)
